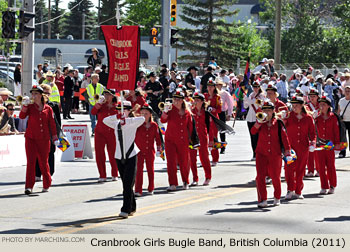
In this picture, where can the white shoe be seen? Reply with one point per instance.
(171, 188)
(28, 191)
(150, 193)
(37, 179)
(298, 196)
(137, 194)
(101, 180)
(185, 186)
(124, 215)
(331, 191)
(289, 195)
(309, 174)
(194, 183)
(206, 182)
(262, 204)
(276, 202)
(268, 180)
(114, 178)
(323, 191)
(214, 163)
(45, 190)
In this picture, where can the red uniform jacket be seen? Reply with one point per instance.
(300, 131)
(279, 106)
(201, 126)
(179, 127)
(328, 129)
(41, 124)
(215, 102)
(139, 100)
(269, 143)
(145, 138)
(308, 106)
(102, 113)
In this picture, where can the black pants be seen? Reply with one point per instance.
(222, 117)
(347, 124)
(128, 173)
(253, 138)
(51, 162)
(76, 102)
(67, 107)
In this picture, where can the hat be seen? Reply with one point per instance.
(110, 91)
(198, 96)
(49, 74)
(178, 77)
(268, 105)
(298, 70)
(94, 50)
(256, 84)
(320, 76)
(37, 88)
(264, 60)
(179, 94)
(212, 58)
(5, 91)
(346, 70)
(297, 99)
(152, 74)
(127, 105)
(221, 82)
(310, 68)
(98, 69)
(347, 74)
(211, 82)
(271, 87)
(192, 67)
(147, 106)
(313, 91)
(325, 99)
(299, 92)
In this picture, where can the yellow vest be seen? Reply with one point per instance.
(91, 92)
(55, 94)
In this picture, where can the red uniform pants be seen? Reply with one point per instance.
(141, 158)
(295, 172)
(204, 157)
(37, 150)
(177, 152)
(213, 133)
(268, 165)
(101, 140)
(312, 162)
(328, 175)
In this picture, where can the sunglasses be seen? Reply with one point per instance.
(11, 109)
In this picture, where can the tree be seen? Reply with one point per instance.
(146, 13)
(55, 24)
(41, 16)
(72, 22)
(211, 35)
(108, 12)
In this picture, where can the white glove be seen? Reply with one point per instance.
(284, 114)
(336, 152)
(289, 158)
(101, 99)
(56, 142)
(25, 101)
(210, 148)
(158, 153)
(166, 108)
(210, 109)
(311, 148)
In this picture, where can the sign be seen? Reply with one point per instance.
(81, 140)
(123, 46)
(12, 151)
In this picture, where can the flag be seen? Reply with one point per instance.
(247, 73)
(63, 143)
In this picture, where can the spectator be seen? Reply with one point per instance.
(76, 89)
(282, 88)
(344, 112)
(4, 94)
(190, 79)
(154, 89)
(205, 78)
(173, 67)
(329, 87)
(94, 89)
(7, 122)
(45, 67)
(271, 67)
(165, 83)
(103, 76)
(39, 74)
(17, 80)
(68, 94)
(225, 78)
(94, 59)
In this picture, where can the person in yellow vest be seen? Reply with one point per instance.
(93, 89)
(54, 97)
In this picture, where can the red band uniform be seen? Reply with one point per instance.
(104, 136)
(301, 134)
(145, 138)
(137, 100)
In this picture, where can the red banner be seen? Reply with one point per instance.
(123, 46)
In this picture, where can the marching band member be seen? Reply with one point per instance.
(146, 135)
(271, 93)
(137, 100)
(125, 154)
(201, 126)
(41, 128)
(327, 128)
(253, 102)
(301, 132)
(215, 108)
(268, 154)
(177, 137)
(104, 135)
(313, 106)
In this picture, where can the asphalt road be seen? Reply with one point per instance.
(77, 204)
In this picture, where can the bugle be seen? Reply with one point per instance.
(283, 114)
(168, 102)
(261, 117)
(259, 102)
(19, 100)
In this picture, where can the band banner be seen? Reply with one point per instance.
(123, 47)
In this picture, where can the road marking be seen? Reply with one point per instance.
(11, 189)
(154, 209)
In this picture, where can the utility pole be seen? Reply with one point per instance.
(278, 34)
(49, 24)
(98, 19)
(42, 25)
(28, 52)
(83, 27)
(166, 33)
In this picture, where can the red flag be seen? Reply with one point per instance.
(123, 46)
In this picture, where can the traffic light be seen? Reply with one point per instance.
(24, 19)
(154, 36)
(172, 39)
(173, 13)
(8, 24)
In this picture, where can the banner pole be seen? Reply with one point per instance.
(117, 16)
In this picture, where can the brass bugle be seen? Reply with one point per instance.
(261, 117)
(168, 102)
(283, 114)
(19, 99)
(161, 106)
(96, 97)
(258, 102)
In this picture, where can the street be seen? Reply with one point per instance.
(77, 204)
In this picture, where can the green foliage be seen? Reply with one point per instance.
(55, 24)
(41, 16)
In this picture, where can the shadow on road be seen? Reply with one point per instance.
(239, 210)
(81, 223)
(9, 196)
(249, 184)
(23, 231)
(11, 183)
(334, 219)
